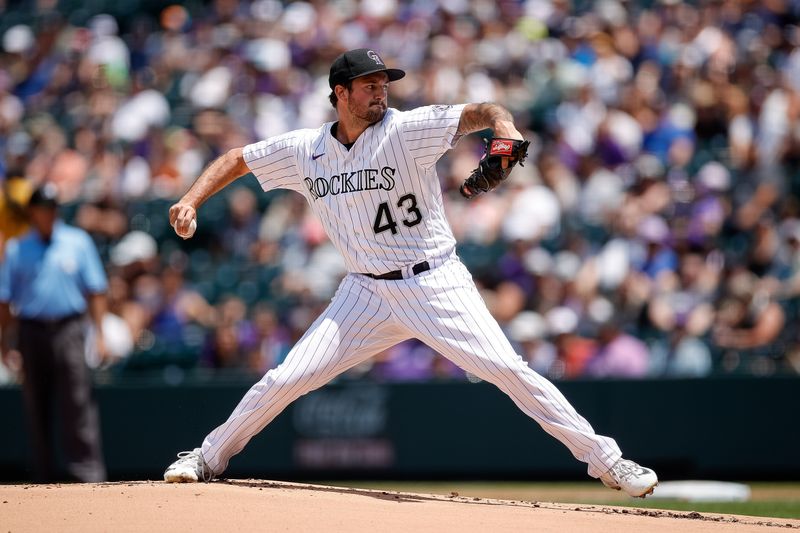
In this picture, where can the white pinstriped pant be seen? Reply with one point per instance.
(441, 307)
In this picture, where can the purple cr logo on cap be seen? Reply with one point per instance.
(375, 57)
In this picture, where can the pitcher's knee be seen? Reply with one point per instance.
(297, 383)
(506, 371)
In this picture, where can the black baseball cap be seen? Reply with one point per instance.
(359, 62)
(45, 196)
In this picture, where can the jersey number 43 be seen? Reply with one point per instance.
(385, 221)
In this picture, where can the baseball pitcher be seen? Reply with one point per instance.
(371, 178)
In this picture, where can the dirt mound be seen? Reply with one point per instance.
(253, 505)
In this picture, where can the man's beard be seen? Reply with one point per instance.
(373, 113)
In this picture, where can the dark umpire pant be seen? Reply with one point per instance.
(58, 384)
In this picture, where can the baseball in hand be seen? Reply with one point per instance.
(190, 232)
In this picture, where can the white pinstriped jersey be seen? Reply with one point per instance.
(381, 201)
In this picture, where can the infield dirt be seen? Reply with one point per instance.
(253, 505)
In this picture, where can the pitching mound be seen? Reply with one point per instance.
(251, 505)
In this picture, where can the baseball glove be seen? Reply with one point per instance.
(490, 172)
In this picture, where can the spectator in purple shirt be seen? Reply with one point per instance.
(619, 355)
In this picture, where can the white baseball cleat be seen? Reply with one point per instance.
(189, 468)
(634, 479)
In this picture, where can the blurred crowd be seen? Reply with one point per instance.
(654, 231)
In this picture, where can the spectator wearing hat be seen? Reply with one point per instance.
(573, 350)
(527, 332)
(51, 277)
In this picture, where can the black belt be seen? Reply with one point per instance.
(51, 321)
(419, 268)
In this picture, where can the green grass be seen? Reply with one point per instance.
(772, 509)
(775, 500)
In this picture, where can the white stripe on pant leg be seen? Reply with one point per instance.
(454, 320)
(349, 331)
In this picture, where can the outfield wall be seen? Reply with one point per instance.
(733, 428)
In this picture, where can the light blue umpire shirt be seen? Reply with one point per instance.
(51, 280)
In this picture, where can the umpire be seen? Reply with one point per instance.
(49, 279)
